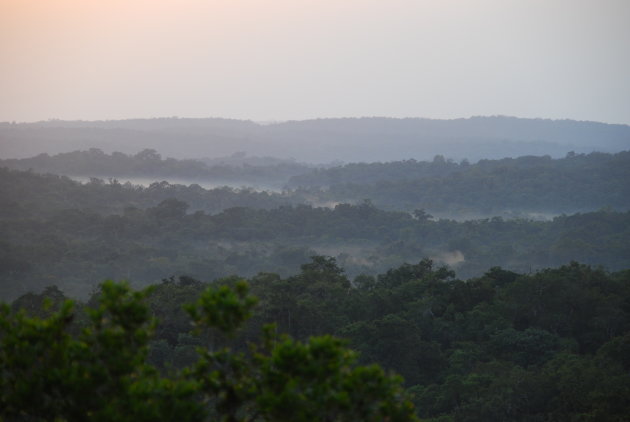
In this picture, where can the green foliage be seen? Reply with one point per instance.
(545, 346)
(47, 374)
(102, 374)
(503, 346)
(318, 380)
(224, 308)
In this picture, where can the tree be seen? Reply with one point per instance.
(149, 155)
(169, 209)
(102, 373)
(422, 215)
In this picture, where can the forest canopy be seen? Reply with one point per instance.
(547, 346)
(527, 186)
(56, 231)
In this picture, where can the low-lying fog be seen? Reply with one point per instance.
(146, 182)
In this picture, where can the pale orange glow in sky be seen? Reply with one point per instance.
(275, 59)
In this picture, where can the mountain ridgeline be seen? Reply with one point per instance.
(320, 140)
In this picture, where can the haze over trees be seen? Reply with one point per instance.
(526, 186)
(57, 231)
(277, 266)
(517, 187)
(498, 288)
(237, 170)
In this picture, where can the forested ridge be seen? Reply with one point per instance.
(42, 194)
(148, 163)
(517, 186)
(56, 231)
(528, 186)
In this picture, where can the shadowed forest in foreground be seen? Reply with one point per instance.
(553, 345)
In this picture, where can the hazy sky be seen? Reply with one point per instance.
(297, 59)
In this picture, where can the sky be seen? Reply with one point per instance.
(274, 60)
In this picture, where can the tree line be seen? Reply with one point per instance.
(511, 187)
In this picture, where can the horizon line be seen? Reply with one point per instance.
(271, 122)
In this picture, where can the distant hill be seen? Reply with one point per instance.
(321, 140)
(236, 170)
(524, 186)
(527, 186)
